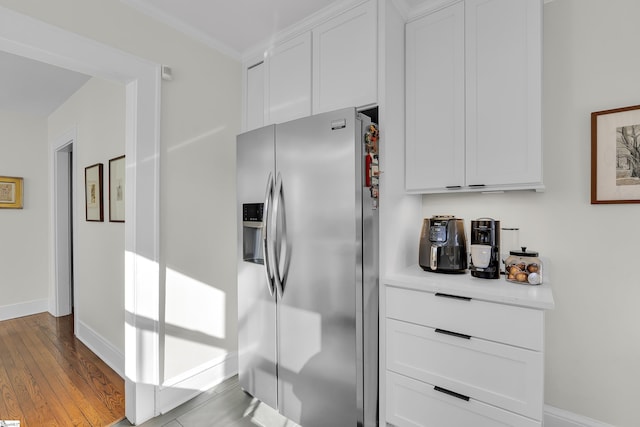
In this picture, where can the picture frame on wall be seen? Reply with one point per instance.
(116, 189)
(93, 192)
(11, 189)
(615, 156)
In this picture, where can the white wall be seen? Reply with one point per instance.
(200, 118)
(97, 112)
(592, 340)
(24, 242)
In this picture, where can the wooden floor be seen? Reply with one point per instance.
(49, 378)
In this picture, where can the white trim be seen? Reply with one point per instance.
(101, 347)
(555, 417)
(307, 24)
(429, 7)
(187, 386)
(60, 298)
(181, 26)
(402, 7)
(27, 308)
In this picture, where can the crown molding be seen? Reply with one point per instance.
(182, 27)
(302, 26)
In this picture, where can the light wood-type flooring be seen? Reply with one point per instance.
(49, 378)
(225, 405)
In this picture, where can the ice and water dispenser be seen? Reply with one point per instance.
(252, 232)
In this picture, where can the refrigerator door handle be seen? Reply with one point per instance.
(266, 232)
(280, 245)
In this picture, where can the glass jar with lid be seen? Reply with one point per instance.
(523, 267)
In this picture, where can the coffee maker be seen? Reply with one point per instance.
(485, 248)
(443, 245)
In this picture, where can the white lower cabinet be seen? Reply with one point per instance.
(419, 404)
(453, 360)
(499, 374)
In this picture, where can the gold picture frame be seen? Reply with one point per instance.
(93, 192)
(11, 191)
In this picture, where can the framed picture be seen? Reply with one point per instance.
(11, 192)
(93, 192)
(116, 189)
(615, 156)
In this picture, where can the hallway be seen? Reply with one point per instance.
(48, 377)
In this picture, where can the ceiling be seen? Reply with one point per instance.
(33, 87)
(231, 26)
(235, 27)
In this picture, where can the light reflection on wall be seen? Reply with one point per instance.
(194, 305)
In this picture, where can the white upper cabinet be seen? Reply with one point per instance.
(327, 62)
(435, 150)
(255, 96)
(501, 86)
(288, 80)
(503, 60)
(345, 59)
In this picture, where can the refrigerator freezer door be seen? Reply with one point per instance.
(319, 160)
(256, 306)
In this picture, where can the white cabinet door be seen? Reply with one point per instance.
(288, 80)
(255, 96)
(412, 403)
(503, 66)
(509, 324)
(435, 145)
(505, 376)
(345, 60)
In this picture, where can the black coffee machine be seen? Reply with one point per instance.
(485, 248)
(443, 246)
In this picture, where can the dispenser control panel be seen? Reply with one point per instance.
(252, 238)
(252, 212)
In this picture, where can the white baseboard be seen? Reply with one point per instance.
(101, 347)
(554, 417)
(22, 309)
(189, 385)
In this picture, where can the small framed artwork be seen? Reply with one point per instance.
(615, 156)
(93, 192)
(116, 189)
(11, 192)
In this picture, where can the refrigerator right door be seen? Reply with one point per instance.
(318, 170)
(257, 359)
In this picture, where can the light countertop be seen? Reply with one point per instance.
(493, 290)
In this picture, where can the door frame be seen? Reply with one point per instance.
(64, 222)
(28, 37)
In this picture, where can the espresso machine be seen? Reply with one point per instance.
(485, 248)
(443, 245)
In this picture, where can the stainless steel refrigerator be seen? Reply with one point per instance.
(308, 270)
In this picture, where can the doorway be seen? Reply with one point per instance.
(63, 197)
(28, 37)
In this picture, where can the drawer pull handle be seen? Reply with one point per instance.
(438, 294)
(451, 393)
(453, 334)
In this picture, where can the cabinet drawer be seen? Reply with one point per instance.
(501, 375)
(519, 326)
(413, 403)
